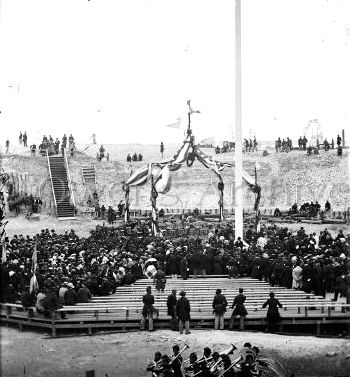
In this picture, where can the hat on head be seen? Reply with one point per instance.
(70, 285)
(182, 293)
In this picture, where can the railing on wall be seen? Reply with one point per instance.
(53, 189)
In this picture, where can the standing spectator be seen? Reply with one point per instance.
(70, 139)
(64, 141)
(183, 310)
(120, 208)
(161, 149)
(147, 311)
(338, 140)
(171, 305)
(238, 307)
(72, 148)
(57, 145)
(7, 145)
(103, 211)
(102, 153)
(25, 139)
(255, 145)
(128, 158)
(20, 138)
(300, 143)
(304, 143)
(32, 150)
(327, 206)
(219, 306)
(134, 157)
(273, 315)
(340, 287)
(110, 215)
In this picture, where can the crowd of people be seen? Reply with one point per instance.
(250, 145)
(287, 145)
(305, 210)
(108, 258)
(55, 146)
(134, 158)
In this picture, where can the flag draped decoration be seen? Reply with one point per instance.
(159, 175)
(4, 253)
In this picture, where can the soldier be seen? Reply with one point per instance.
(219, 308)
(239, 308)
(147, 311)
(171, 305)
(183, 310)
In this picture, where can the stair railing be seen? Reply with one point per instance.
(70, 186)
(53, 189)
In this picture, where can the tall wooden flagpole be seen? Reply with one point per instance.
(238, 128)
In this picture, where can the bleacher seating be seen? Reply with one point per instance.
(123, 309)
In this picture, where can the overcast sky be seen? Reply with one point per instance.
(124, 69)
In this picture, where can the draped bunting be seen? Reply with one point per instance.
(159, 174)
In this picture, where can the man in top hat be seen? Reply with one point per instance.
(147, 311)
(183, 310)
(219, 309)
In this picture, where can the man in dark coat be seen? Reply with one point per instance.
(84, 294)
(273, 315)
(160, 280)
(171, 304)
(238, 308)
(183, 310)
(147, 311)
(219, 309)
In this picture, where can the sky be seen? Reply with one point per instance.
(124, 69)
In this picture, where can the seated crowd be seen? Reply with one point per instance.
(109, 258)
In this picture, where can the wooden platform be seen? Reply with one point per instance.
(123, 309)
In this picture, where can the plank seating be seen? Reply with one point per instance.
(123, 309)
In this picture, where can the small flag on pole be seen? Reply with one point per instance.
(190, 110)
(176, 124)
(33, 284)
(34, 259)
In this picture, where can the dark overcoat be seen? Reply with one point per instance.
(183, 309)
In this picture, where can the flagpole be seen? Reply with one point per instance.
(238, 126)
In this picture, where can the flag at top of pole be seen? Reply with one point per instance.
(190, 110)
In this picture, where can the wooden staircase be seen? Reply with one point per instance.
(89, 174)
(60, 180)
